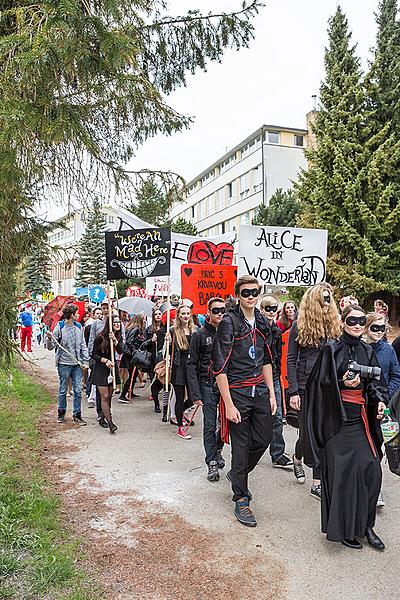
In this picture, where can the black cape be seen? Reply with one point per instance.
(324, 413)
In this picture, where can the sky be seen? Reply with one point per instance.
(271, 82)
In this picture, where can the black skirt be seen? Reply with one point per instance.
(100, 373)
(351, 478)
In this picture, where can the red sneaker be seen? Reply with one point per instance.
(182, 433)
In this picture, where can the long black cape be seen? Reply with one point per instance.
(324, 413)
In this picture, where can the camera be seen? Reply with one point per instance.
(363, 371)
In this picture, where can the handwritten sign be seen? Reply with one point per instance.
(138, 253)
(136, 292)
(283, 256)
(200, 283)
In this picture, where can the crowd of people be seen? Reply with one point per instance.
(251, 364)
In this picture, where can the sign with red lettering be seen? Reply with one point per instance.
(135, 291)
(201, 282)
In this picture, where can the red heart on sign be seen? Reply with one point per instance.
(207, 252)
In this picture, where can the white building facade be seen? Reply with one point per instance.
(228, 193)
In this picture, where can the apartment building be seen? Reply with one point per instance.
(228, 193)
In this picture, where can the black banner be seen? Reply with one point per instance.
(138, 253)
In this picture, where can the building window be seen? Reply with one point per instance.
(230, 189)
(273, 137)
(299, 140)
(257, 177)
(111, 219)
(193, 211)
(230, 225)
(227, 163)
(201, 211)
(245, 218)
(249, 148)
(221, 199)
(244, 184)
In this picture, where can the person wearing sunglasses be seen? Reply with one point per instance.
(317, 323)
(201, 385)
(375, 334)
(242, 366)
(343, 407)
(269, 309)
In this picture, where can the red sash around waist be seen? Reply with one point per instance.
(224, 422)
(356, 397)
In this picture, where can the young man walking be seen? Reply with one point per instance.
(71, 352)
(201, 385)
(269, 309)
(26, 320)
(242, 366)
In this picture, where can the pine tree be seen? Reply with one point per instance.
(282, 210)
(37, 279)
(180, 225)
(82, 86)
(92, 250)
(344, 189)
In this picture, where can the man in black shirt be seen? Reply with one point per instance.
(242, 366)
(200, 382)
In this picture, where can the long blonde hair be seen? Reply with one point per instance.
(179, 331)
(313, 323)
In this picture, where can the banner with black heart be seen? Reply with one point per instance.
(200, 283)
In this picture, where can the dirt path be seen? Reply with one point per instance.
(160, 531)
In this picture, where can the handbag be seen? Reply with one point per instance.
(142, 358)
(292, 415)
(392, 450)
(160, 368)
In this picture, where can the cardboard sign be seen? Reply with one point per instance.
(201, 282)
(283, 256)
(138, 253)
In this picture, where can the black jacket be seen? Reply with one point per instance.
(300, 362)
(156, 347)
(239, 351)
(199, 359)
(274, 341)
(324, 413)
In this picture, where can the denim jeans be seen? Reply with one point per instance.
(64, 373)
(277, 447)
(211, 434)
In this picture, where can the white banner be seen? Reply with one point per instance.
(283, 256)
(184, 249)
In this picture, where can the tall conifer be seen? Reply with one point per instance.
(92, 250)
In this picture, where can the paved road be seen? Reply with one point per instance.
(147, 460)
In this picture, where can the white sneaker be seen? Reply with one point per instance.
(380, 501)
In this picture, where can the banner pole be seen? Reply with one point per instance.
(110, 323)
(167, 382)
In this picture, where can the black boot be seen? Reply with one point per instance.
(164, 413)
(61, 416)
(113, 427)
(102, 420)
(77, 418)
(373, 540)
(157, 408)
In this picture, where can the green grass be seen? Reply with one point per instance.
(38, 558)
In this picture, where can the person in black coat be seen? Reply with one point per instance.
(201, 385)
(317, 323)
(342, 411)
(135, 336)
(155, 341)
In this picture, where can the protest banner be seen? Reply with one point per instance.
(135, 291)
(193, 250)
(283, 256)
(138, 253)
(201, 282)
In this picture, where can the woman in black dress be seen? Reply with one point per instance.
(135, 335)
(343, 411)
(156, 335)
(180, 335)
(103, 368)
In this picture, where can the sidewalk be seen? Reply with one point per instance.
(145, 461)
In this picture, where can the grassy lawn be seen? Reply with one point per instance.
(38, 558)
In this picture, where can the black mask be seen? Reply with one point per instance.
(351, 321)
(375, 328)
(271, 308)
(246, 293)
(218, 310)
(327, 298)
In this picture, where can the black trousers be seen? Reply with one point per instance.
(128, 381)
(250, 438)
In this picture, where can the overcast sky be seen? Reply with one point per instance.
(271, 82)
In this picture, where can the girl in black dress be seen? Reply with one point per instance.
(343, 411)
(103, 368)
(180, 335)
(156, 335)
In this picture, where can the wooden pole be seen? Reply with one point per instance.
(167, 357)
(110, 323)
